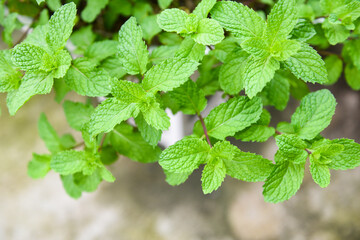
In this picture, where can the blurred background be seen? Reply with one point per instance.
(141, 205)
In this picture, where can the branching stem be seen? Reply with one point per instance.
(204, 128)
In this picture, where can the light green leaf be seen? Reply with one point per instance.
(10, 23)
(164, 52)
(129, 143)
(175, 179)
(101, 50)
(110, 113)
(60, 26)
(258, 72)
(353, 48)
(190, 49)
(169, 74)
(209, 32)
(173, 20)
(284, 49)
(128, 92)
(329, 6)
(62, 63)
(39, 166)
(248, 167)
(150, 27)
(349, 158)
(307, 65)
(10, 76)
(164, 3)
(185, 155)
(83, 38)
(240, 20)
(88, 182)
(281, 20)
(233, 116)
(30, 57)
(149, 133)
(86, 80)
(69, 162)
(93, 9)
(334, 67)
(283, 182)
(155, 116)
(49, 135)
(106, 174)
(320, 173)
(314, 114)
(291, 148)
(70, 187)
(132, 49)
(352, 76)
(335, 33)
(303, 31)
(203, 8)
(213, 175)
(77, 114)
(189, 98)
(257, 47)
(53, 4)
(32, 83)
(39, 1)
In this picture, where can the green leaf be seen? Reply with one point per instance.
(70, 187)
(106, 175)
(88, 183)
(349, 158)
(83, 38)
(128, 92)
(335, 33)
(248, 167)
(62, 63)
(238, 19)
(60, 26)
(39, 166)
(10, 23)
(352, 76)
(164, 52)
(93, 9)
(101, 50)
(334, 67)
(303, 31)
(30, 57)
(281, 20)
(225, 48)
(173, 20)
(256, 46)
(190, 49)
(149, 133)
(258, 72)
(175, 179)
(189, 98)
(164, 3)
(69, 162)
(291, 148)
(353, 48)
(32, 83)
(329, 6)
(209, 32)
(320, 173)
(314, 114)
(233, 116)
(10, 76)
(129, 143)
(155, 116)
(203, 8)
(169, 74)
(61, 89)
(213, 175)
(53, 4)
(185, 155)
(277, 92)
(231, 75)
(77, 114)
(132, 49)
(110, 113)
(284, 49)
(49, 135)
(150, 27)
(87, 80)
(307, 65)
(283, 182)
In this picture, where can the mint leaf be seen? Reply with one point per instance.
(213, 175)
(155, 116)
(185, 155)
(164, 3)
(291, 148)
(70, 187)
(10, 23)
(69, 162)
(303, 30)
(86, 80)
(349, 158)
(49, 135)
(314, 114)
(283, 182)
(238, 19)
(29, 57)
(335, 33)
(93, 9)
(233, 116)
(149, 133)
(173, 20)
(77, 114)
(106, 174)
(281, 20)
(209, 32)
(190, 49)
(189, 98)
(352, 47)
(10, 77)
(307, 65)
(32, 83)
(282, 50)
(127, 91)
(129, 143)
(88, 182)
(39, 166)
(110, 113)
(101, 50)
(132, 49)
(352, 76)
(169, 74)
(320, 173)
(258, 72)
(203, 8)
(62, 63)
(334, 67)
(60, 26)
(175, 179)
(257, 47)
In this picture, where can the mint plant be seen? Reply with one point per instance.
(255, 60)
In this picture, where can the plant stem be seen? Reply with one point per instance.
(204, 128)
(102, 142)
